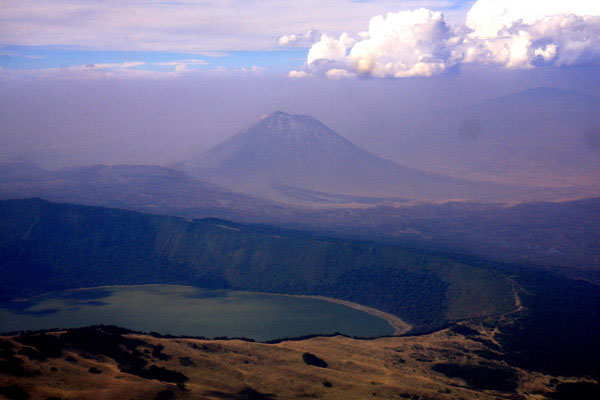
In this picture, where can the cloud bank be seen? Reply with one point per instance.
(510, 33)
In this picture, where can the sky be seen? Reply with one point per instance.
(132, 37)
(87, 81)
(334, 38)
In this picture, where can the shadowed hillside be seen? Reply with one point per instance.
(47, 246)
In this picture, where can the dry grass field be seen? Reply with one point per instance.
(456, 363)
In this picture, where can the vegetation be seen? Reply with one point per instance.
(576, 390)
(104, 341)
(14, 392)
(109, 342)
(47, 246)
(166, 394)
(46, 346)
(559, 331)
(311, 359)
(10, 364)
(558, 328)
(482, 377)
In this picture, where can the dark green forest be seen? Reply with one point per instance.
(48, 246)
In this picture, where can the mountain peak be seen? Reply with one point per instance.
(277, 114)
(280, 125)
(288, 157)
(280, 116)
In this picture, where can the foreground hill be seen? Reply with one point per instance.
(108, 363)
(47, 246)
(297, 159)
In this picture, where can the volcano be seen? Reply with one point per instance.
(297, 159)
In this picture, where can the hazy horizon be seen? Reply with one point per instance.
(163, 121)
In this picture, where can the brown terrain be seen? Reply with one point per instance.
(461, 362)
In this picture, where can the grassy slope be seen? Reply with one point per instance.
(390, 368)
(48, 246)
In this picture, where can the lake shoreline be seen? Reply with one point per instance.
(396, 324)
(400, 327)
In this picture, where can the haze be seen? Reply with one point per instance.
(58, 123)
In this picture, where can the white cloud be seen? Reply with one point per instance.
(187, 62)
(113, 70)
(222, 71)
(123, 65)
(255, 69)
(512, 33)
(402, 44)
(298, 74)
(301, 39)
(182, 66)
(124, 71)
(488, 18)
(17, 54)
(522, 34)
(339, 73)
(330, 49)
(82, 72)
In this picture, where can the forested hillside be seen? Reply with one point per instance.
(48, 246)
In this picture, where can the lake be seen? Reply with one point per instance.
(184, 310)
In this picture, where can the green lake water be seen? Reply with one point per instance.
(184, 310)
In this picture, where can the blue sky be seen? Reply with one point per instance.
(53, 57)
(337, 39)
(231, 34)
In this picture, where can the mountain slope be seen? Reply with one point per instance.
(298, 153)
(148, 188)
(542, 136)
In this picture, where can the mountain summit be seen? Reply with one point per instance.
(295, 158)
